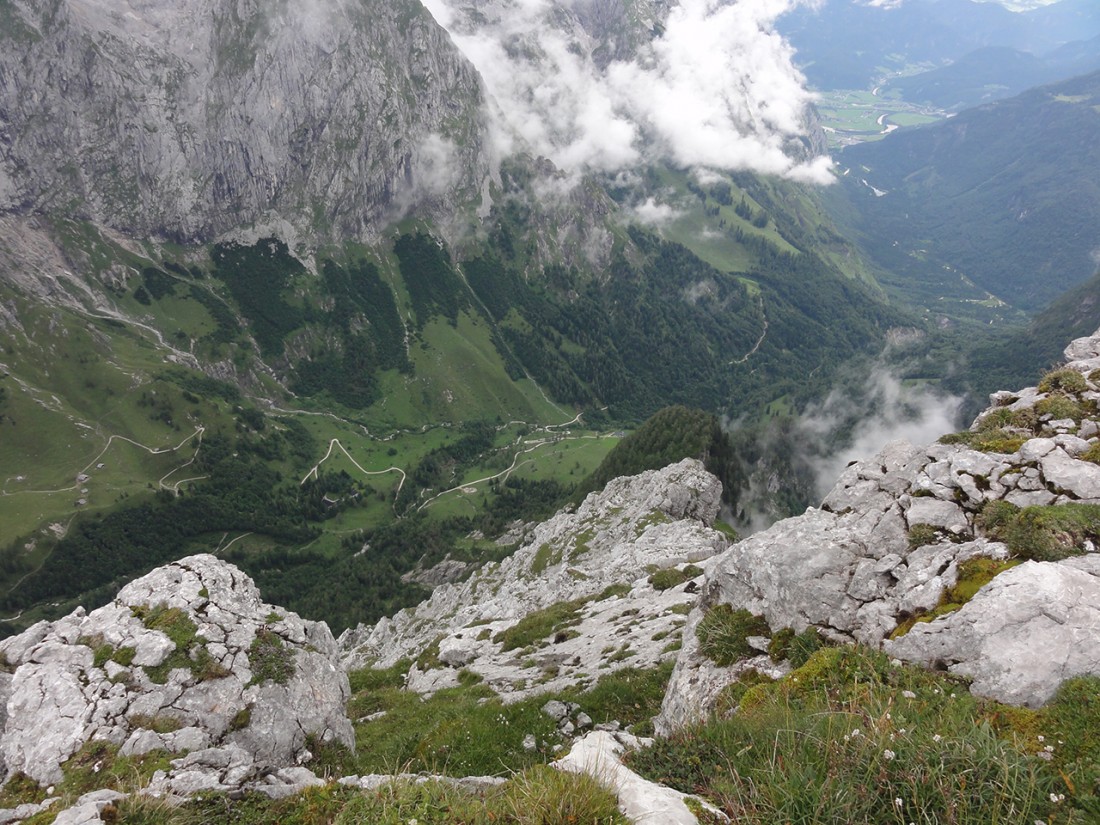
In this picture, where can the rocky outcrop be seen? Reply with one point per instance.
(186, 659)
(889, 540)
(580, 583)
(1021, 636)
(186, 121)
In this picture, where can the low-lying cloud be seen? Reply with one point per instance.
(886, 412)
(716, 89)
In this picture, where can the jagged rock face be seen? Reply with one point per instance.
(848, 569)
(658, 518)
(175, 651)
(188, 120)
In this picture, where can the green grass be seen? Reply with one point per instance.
(537, 796)
(853, 114)
(459, 376)
(671, 577)
(973, 575)
(541, 624)
(723, 634)
(190, 651)
(468, 730)
(701, 233)
(1042, 533)
(848, 737)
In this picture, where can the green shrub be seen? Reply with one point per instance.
(1091, 454)
(269, 659)
(670, 577)
(1047, 533)
(995, 440)
(1064, 380)
(157, 724)
(723, 634)
(732, 694)
(1059, 406)
(922, 534)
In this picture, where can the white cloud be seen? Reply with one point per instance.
(717, 89)
(886, 411)
(653, 213)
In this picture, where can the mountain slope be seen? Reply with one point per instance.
(996, 72)
(1005, 196)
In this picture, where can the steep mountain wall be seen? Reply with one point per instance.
(184, 121)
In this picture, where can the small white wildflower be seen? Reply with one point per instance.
(1057, 797)
(952, 695)
(855, 732)
(936, 737)
(1041, 738)
(847, 738)
(1049, 748)
(897, 802)
(888, 754)
(891, 737)
(901, 732)
(888, 716)
(1045, 755)
(908, 694)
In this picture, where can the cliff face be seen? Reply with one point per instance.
(184, 121)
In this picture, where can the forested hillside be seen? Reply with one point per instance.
(1000, 202)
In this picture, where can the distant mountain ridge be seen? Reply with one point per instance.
(995, 72)
(847, 45)
(1005, 195)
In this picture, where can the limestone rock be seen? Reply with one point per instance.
(598, 755)
(88, 808)
(596, 560)
(190, 120)
(95, 676)
(1021, 636)
(849, 571)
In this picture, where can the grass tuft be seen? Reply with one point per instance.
(723, 634)
(269, 658)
